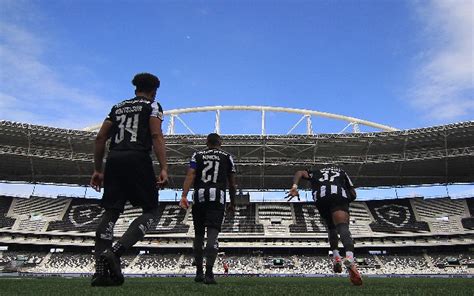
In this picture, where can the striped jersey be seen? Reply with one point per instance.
(213, 167)
(131, 124)
(328, 181)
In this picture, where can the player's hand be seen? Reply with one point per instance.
(162, 179)
(292, 193)
(96, 180)
(183, 203)
(230, 207)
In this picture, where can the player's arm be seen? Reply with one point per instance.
(159, 148)
(188, 182)
(232, 184)
(99, 151)
(350, 188)
(296, 179)
(232, 192)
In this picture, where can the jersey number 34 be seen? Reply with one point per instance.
(129, 124)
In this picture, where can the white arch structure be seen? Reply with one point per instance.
(306, 115)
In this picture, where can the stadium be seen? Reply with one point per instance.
(403, 237)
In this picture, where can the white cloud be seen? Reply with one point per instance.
(31, 89)
(444, 82)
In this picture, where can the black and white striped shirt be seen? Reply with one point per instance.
(330, 181)
(213, 167)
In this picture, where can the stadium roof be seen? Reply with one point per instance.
(434, 155)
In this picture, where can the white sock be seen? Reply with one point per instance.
(350, 256)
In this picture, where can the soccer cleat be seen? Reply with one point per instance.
(104, 280)
(354, 274)
(117, 280)
(337, 265)
(101, 277)
(113, 263)
(209, 279)
(100, 280)
(199, 278)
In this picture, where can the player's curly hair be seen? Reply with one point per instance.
(214, 140)
(146, 82)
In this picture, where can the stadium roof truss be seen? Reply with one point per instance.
(433, 155)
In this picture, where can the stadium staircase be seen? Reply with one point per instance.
(377, 259)
(429, 261)
(275, 218)
(442, 214)
(131, 265)
(180, 261)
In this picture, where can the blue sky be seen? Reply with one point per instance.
(406, 64)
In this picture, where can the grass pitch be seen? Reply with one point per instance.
(241, 286)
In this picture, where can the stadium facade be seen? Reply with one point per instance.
(435, 155)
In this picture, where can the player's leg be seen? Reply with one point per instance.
(334, 246)
(199, 232)
(341, 220)
(138, 186)
(135, 232)
(212, 247)
(112, 201)
(214, 218)
(333, 238)
(103, 239)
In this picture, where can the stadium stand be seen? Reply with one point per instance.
(271, 264)
(240, 264)
(368, 264)
(314, 264)
(66, 263)
(443, 214)
(307, 219)
(402, 264)
(468, 222)
(242, 220)
(275, 217)
(20, 260)
(5, 203)
(156, 263)
(127, 261)
(255, 225)
(172, 219)
(452, 262)
(360, 219)
(82, 215)
(395, 215)
(279, 264)
(34, 213)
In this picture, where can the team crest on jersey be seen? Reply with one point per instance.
(83, 215)
(394, 215)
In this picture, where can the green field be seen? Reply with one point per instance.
(240, 286)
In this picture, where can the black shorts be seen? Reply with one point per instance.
(329, 204)
(207, 215)
(129, 175)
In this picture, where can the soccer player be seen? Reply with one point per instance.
(210, 172)
(333, 191)
(134, 127)
(225, 265)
